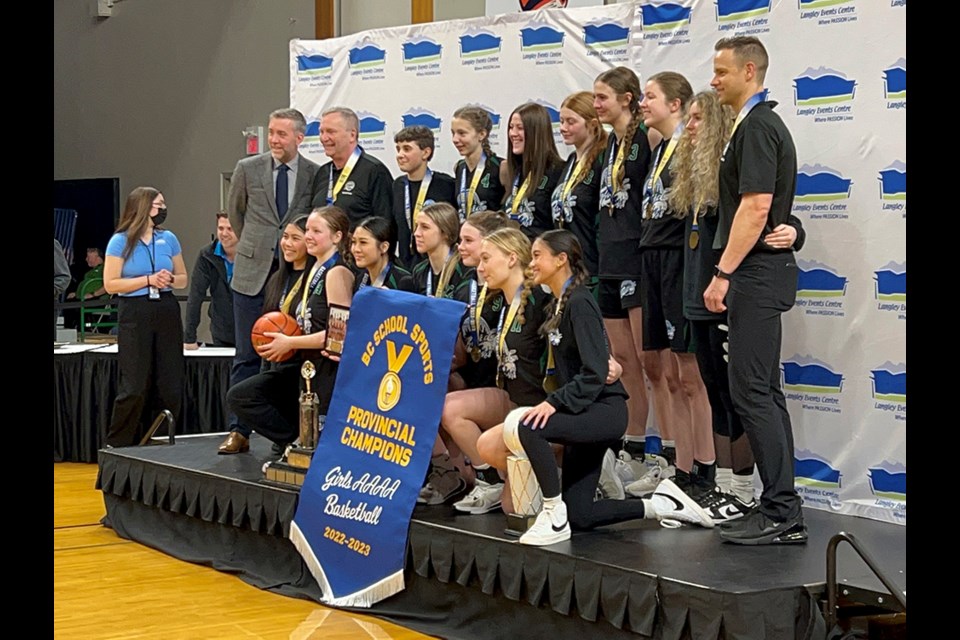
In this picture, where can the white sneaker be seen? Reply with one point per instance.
(657, 470)
(673, 506)
(629, 468)
(550, 527)
(723, 506)
(483, 498)
(610, 485)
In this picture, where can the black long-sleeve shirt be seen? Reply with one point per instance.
(581, 358)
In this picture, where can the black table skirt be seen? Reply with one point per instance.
(85, 386)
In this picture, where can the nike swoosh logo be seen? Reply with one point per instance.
(560, 528)
(729, 511)
(678, 506)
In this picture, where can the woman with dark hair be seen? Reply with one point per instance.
(584, 413)
(616, 97)
(477, 173)
(694, 196)
(279, 293)
(372, 246)
(144, 264)
(267, 402)
(532, 169)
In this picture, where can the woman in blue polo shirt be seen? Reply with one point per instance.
(143, 265)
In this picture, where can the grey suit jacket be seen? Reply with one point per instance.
(252, 209)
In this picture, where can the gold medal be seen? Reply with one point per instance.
(694, 239)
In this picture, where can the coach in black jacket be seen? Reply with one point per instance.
(213, 272)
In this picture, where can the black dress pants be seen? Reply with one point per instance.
(150, 358)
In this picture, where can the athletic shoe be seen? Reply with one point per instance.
(673, 505)
(550, 527)
(657, 470)
(721, 506)
(628, 469)
(758, 528)
(483, 498)
(610, 486)
(444, 485)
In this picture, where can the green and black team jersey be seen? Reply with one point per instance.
(423, 276)
(489, 193)
(580, 210)
(367, 191)
(524, 360)
(441, 189)
(397, 278)
(621, 208)
(535, 213)
(479, 339)
(662, 229)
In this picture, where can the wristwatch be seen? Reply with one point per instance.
(719, 273)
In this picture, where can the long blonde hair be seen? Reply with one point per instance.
(695, 169)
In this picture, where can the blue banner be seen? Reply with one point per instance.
(355, 504)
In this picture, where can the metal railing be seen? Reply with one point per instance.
(832, 587)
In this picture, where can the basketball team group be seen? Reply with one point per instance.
(643, 275)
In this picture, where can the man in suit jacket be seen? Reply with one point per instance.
(353, 180)
(265, 191)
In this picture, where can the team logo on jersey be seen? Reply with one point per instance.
(422, 117)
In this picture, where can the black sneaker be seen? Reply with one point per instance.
(722, 507)
(757, 528)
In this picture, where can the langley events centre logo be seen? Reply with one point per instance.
(889, 389)
(422, 57)
(315, 64)
(817, 480)
(820, 289)
(895, 84)
(541, 44)
(607, 40)
(890, 289)
(372, 131)
(743, 17)
(666, 22)
(888, 480)
(480, 49)
(893, 187)
(822, 193)
(813, 383)
(422, 117)
(828, 11)
(367, 61)
(822, 93)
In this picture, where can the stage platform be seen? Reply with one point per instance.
(467, 579)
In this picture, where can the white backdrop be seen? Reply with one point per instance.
(838, 69)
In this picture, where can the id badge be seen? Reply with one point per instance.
(154, 293)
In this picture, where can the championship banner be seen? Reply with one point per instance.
(355, 504)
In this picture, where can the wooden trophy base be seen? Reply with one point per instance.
(517, 524)
(291, 470)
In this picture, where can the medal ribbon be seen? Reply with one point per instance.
(466, 196)
(334, 191)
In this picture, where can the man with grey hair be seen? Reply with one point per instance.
(353, 180)
(265, 191)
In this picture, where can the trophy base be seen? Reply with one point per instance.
(300, 457)
(285, 474)
(517, 524)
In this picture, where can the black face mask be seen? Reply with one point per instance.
(160, 217)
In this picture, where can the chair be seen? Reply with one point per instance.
(95, 313)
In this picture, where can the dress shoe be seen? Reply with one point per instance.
(235, 443)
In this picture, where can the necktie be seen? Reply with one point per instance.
(282, 190)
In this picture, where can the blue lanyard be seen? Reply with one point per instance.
(380, 278)
(754, 100)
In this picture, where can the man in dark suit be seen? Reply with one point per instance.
(265, 190)
(353, 180)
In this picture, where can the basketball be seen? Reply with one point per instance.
(274, 321)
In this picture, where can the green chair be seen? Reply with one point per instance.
(101, 312)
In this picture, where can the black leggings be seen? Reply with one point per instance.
(586, 436)
(709, 339)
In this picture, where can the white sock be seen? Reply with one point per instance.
(724, 478)
(650, 507)
(556, 509)
(742, 487)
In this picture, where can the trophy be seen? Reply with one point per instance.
(292, 468)
(525, 494)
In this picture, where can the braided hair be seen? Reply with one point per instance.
(560, 241)
(623, 80)
(479, 118)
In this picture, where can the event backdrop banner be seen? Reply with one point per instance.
(838, 71)
(355, 504)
